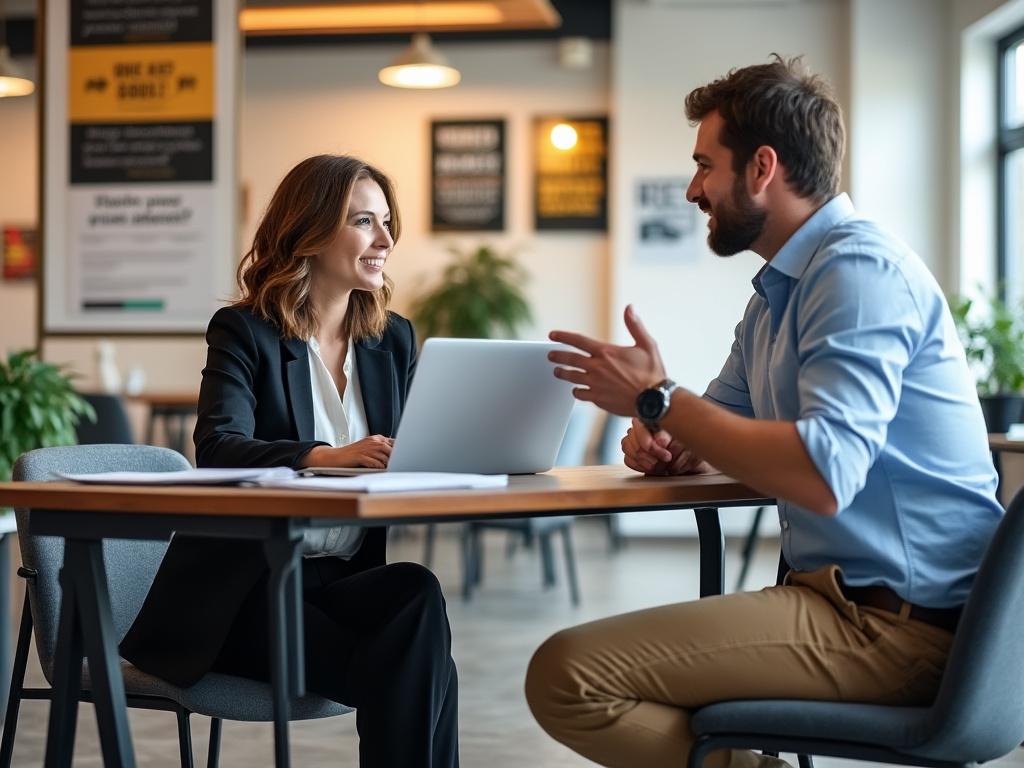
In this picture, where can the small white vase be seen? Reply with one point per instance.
(106, 366)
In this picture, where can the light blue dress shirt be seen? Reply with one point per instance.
(849, 336)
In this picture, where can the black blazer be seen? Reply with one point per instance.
(255, 410)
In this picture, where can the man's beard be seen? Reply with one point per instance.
(737, 224)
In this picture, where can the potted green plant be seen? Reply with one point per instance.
(39, 407)
(480, 296)
(993, 339)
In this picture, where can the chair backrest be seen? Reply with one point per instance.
(609, 443)
(978, 714)
(573, 450)
(131, 565)
(111, 425)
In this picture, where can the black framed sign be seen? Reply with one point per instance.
(139, 161)
(467, 166)
(570, 188)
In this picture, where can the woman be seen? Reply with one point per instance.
(310, 369)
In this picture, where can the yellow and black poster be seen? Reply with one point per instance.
(140, 197)
(571, 173)
(141, 91)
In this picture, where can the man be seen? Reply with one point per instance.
(846, 396)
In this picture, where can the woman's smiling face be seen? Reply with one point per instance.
(356, 258)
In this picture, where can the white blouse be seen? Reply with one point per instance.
(338, 419)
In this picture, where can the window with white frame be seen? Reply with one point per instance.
(1010, 217)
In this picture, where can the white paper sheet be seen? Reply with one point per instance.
(185, 476)
(390, 482)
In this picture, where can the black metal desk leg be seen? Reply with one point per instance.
(100, 641)
(287, 667)
(712, 551)
(5, 614)
(67, 673)
(179, 439)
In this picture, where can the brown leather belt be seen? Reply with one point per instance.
(885, 599)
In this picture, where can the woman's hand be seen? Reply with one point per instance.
(659, 454)
(372, 452)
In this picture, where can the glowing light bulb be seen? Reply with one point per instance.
(563, 136)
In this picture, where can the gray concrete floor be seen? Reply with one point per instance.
(495, 634)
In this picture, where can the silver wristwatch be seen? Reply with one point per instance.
(652, 404)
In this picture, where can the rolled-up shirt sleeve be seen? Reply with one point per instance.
(859, 327)
(729, 389)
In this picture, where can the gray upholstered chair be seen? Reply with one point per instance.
(131, 567)
(978, 714)
(571, 453)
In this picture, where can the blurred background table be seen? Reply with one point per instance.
(173, 410)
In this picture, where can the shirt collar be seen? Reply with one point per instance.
(350, 357)
(794, 256)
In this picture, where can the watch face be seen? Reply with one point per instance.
(650, 403)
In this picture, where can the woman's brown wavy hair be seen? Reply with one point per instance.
(305, 214)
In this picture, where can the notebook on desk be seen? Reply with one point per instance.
(479, 406)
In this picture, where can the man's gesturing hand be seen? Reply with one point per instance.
(608, 375)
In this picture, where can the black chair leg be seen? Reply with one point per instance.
(185, 739)
(615, 540)
(17, 683)
(547, 559)
(428, 545)
(468, 562)
(570, 566)
(748, 549)
(213, 755)
(512, 542)
(478, 555)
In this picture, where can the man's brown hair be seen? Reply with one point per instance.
(783, 106)
(304, 216)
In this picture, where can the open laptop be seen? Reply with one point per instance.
(481, 406)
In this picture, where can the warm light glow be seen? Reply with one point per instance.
(420, 66)
(368, 17)
(419, 76)
(15, 86)
(563, 136)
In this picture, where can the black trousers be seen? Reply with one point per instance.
(377, 641)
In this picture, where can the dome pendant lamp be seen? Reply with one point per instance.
(12, 81)
(420, 66)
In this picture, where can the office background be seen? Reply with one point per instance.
(916, 79)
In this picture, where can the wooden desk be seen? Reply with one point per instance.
(84, 515)
(168, 406)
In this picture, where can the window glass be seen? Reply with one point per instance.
(1013, 221)
(1014, 68)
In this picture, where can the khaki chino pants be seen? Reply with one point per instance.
(619, 691)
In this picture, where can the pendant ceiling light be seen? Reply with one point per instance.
(12, 81)
(420, 66)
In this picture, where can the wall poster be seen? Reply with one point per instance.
(571, 173)
(19, 252)
(667, 226)
(467, 172)
(139, 165)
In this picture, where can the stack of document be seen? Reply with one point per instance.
(184, 476)
(283, 477)
(391, 482)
